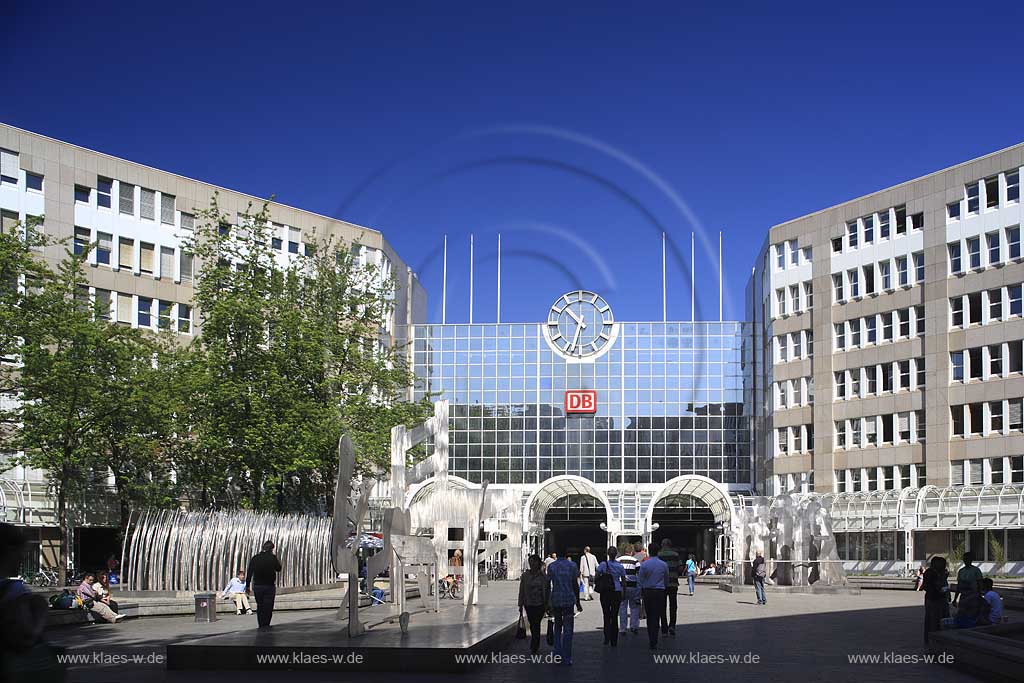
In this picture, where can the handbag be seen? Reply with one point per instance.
(551, 632)
(521, 629)
(604, 583)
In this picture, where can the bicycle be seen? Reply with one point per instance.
(450, 587)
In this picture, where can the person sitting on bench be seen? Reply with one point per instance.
(235, 590)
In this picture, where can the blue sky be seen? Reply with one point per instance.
(578, 133)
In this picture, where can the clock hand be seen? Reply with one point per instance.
(575, 316)
(576, 337)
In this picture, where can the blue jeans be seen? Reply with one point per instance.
(759, 590)
(690, 581)
(565, 618)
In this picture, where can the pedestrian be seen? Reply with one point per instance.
(93, 602)
(235, 590)
(652, 576)
(534, 593)
(992, 607)
(691, 573)
(588, 570)
(936, 595)
(968, 582)
(611, 584)
(760, 570)
(629, 608)
(549, 559)
(670, 557)
(24, 654)
(564, 577)
(262, 578)
(639, 553)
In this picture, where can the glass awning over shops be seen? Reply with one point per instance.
(930, 507)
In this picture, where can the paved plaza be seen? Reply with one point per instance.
(795, 637)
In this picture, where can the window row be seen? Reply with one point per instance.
(789, 254)
(794, 346)
(881, 226)
(990, 192)
(795, 299)
(871, 279)
(982, 308)
(985, 362)
(987, 418)
(132, 200)
(10, 173)
(987, 471)
(794, 393)
(801, 482)
(798, 439)
(880, 430)
(874, 380)
(903, 323)
(885, 478)
(137, 311)
(970, 253)
(134, 255)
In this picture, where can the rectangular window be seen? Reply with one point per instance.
(783, 440)
(901, 220)
(974, 308)
(82, 194)
(918, 267)
(974, 364)
(903, 420)
(293, 240)
(798, 444)
(871, 431)
(953, 211)
(919, 321)
(1015, 414)
(855, 439)
(809, 295)
(33, 182)
(146, 257)
(166, 262)
(1012, 187)
(1016, 356)
(797, 348)
(920, 370)
(184, 319)
(956, 311)
(104, 186)
(81, 240)
(995, 416)
(188, 221)
(840, 433)
(794, 297)
(995, 360)
(1014, 292)
(955, 264)
(855, 383)
(917, 221)
(780, 299)
(164, 314)
(104, 247)
(840, 332)
(147, 203)
(883, 225)
(102, 304)
(126, 198)
(885, 272)
(904, 367)
(920, 425)
(794, 253)
(957, 415)
(887, 321)
(869, 280)
(871, 329)
(901, 271)
(956, 361)
(956, 473)
(781, 341)
(996, 466)
(854, 326)
(976, 414)
(851, 234)
(1017, 469)
(186, 267)
(780, 394)
(166, 208)
(992, 192)
(807, 254)
(853, 277)
(1013, 242)
(974, 252)
(780, 256)
(145, 312)
(837, 287)
(124, 308)
(125, 253)
(872, 380)
(904, 314)
(840, 382)
(992, 241)
(995, 304)
(869, 229)
(973, 198)
(10, 169)
(886, 377)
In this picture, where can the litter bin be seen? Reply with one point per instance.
(206, 608)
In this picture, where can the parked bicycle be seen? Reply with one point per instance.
(450, 587)
(497, 572)
(44, 578)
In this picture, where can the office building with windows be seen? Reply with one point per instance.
(136, 217)
(888, 364)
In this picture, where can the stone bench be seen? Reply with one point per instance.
(66, 617)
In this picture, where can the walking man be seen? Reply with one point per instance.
(630, 605)
(670, 557)
(691, 573)
(262, 579)
(760, 570)
(652, 576)
(564, 576)
(588, 569)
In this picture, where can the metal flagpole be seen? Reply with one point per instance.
(470, 278)
(664, 315)
(719, 276)
(693, 267)
(499, 278)
(444, 284)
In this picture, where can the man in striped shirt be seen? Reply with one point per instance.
(630, 605)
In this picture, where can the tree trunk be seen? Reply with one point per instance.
(62, 524)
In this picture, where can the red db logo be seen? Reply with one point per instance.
(581, 401)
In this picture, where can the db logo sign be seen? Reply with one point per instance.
(581, 401)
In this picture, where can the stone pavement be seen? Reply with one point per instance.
(805, 638)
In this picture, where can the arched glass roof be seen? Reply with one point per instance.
(556, 488)
(703, 489)
(930, 507)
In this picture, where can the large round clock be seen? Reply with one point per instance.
(580, 324)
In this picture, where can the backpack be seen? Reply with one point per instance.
(604, 582)
(63, 600)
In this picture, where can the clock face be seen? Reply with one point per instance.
(580, 324)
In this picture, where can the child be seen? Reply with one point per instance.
(992, 608)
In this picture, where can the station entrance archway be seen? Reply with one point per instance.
(567, 514)
(695, 513)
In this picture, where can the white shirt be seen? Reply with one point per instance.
(234, 586)
(588, 564)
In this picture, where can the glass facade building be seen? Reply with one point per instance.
(670, 400)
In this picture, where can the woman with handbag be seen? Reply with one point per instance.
(610, 582)
(534, 590)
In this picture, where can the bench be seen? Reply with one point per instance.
(65, 617)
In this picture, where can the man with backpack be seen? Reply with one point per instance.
(760, 571)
